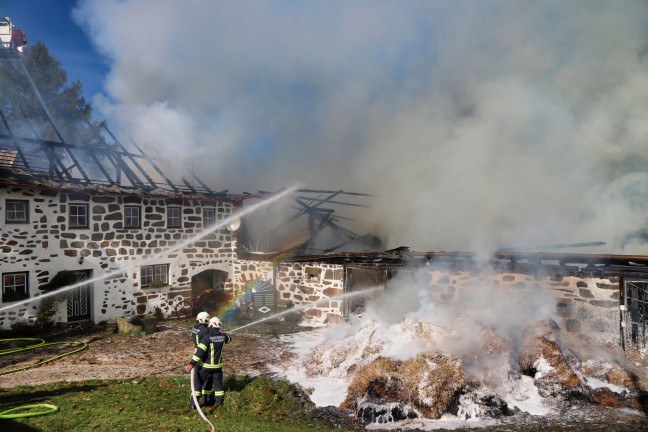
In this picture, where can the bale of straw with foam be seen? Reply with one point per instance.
(429, 382)
(543, 359)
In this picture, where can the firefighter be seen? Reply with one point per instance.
(209, 355)
(199, 330)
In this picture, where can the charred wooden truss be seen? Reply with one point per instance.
(550, 264)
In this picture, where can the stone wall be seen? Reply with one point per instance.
(313, 284)
(250, 270)
(112, 253)
(584, 307)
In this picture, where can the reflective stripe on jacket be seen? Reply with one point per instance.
(198, 332)
(209, 351)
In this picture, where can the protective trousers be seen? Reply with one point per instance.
(212, 386)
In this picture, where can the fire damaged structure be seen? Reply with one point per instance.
(102, 211)
(598, 298)
(78, 212)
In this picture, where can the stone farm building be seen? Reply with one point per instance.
(110, 228)
(135, 245)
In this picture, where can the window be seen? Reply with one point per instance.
(17, 211)
(173, 217)
(78, 216)
(154, 276)
(14, 287)
(131, 217)
(209, 217)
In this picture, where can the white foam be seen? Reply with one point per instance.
(522, 393)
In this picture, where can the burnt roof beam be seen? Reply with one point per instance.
(18, 149)
(195, 177)
(191, 188)
(150, 160)
(106, 150)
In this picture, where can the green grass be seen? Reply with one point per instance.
(159, 404)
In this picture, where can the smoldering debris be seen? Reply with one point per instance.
(543, 377)
(342, 358)
(424, 386)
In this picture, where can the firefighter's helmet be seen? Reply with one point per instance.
(203, 317)
(215, 322)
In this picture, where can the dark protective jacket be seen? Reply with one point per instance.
(209, 351)
(198, 332)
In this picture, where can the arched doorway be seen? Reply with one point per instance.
(208, 280)
(208, 291)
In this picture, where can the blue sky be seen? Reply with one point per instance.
(51, 22)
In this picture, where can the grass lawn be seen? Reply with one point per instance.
(159, 404)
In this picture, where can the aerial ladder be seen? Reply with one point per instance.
(12, 39)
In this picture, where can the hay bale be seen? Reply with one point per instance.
(543, 360)
(433, 381)
(605, 397)
(612, 373)
(341, 358)
(376, 371)
(428, 384)
(124, 326)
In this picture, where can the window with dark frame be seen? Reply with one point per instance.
(209, 216)
(174, 219)
(154, 276)
(17, 211)
(15, 286)
(131, 217)
(78, 217)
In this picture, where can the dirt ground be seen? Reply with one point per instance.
(167, 352)
(112, 356)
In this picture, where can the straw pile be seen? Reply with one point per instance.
(430, 383)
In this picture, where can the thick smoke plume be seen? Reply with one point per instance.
(479, 124)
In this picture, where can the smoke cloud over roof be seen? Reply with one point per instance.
(479, 124)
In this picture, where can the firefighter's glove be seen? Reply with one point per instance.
(189, 367)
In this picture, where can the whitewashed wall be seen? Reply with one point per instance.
(46, 245)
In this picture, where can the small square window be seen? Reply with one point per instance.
(131, 217)
(78, 216)
(14, 287)
(17, 211)
(209, 216)
(174, 219)
(154, 276)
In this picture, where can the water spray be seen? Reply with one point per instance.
(307, 305)
(125, 268)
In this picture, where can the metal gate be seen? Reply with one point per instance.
(78, 301)
(634, 313)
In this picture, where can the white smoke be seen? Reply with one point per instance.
(482, 305)
(478, 124)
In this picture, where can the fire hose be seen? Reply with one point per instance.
(46, 408)
(195, 399)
